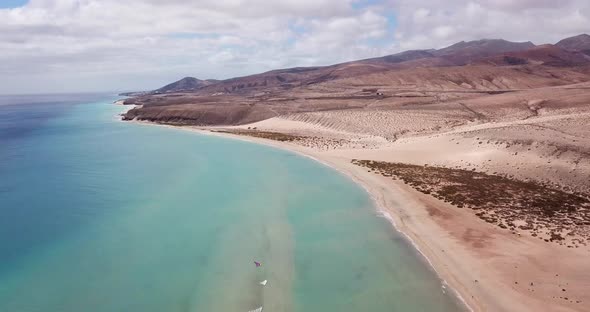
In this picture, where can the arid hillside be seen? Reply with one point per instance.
(461, 71)
(490, 105)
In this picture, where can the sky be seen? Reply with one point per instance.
(52, 46)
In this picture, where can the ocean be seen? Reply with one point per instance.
(99, 215)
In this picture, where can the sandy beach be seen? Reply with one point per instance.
(491, 269)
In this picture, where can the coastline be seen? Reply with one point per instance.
(371, 189)
(356, 174)
(480, 263)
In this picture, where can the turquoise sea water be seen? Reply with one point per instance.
(98, 215)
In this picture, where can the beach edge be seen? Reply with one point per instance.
(379, 197)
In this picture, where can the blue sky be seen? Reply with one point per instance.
(71, 45)
(12, 3)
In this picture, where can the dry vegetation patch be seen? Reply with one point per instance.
(311, 141)
(277, 136)
(544, 212)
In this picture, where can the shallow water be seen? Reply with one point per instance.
(100, 215)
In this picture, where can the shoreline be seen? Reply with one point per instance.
(371, 191)
(374, 195)
(483, 266)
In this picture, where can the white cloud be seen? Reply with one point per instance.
(327, 37)
(434, 24)
(152, 40)
(71, 45)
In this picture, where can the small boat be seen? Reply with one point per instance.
(263, 283)
(256, 310)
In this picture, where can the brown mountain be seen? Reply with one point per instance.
(457, 54)
(402, 57)
(465, 52)
(185, 84)
(576, 43)
(550, 55)
(482, 66)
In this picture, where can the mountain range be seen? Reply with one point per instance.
(488, 65)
